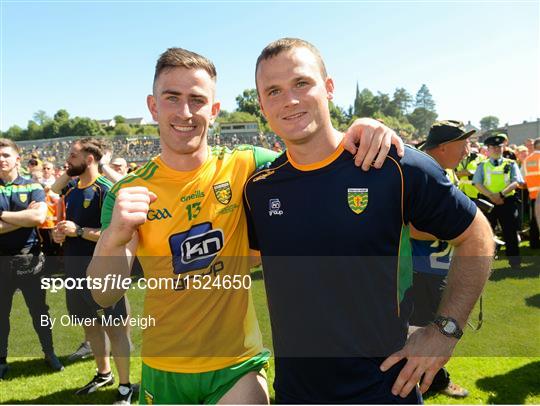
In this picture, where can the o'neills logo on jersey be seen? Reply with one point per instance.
(195, 248)
(223, 192)
(357, 199)
(196, 195)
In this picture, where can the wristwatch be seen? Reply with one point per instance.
(79, 231)
(448, 326)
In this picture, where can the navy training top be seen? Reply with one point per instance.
(83, 207)
(16, 196)
(336, 255)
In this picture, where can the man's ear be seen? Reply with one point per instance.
(152, 106)
(215, 112)
(329, 85)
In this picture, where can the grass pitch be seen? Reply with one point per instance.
(499, 364)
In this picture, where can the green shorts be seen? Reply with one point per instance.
(163, 387)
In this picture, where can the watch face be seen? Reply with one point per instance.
(449, 327)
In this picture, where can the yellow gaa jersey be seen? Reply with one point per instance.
(194, 251)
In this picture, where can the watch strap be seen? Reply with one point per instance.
(442, 321)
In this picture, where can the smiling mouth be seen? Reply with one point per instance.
(183, 128)
(294, 116)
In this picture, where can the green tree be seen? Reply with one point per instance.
(424, 99)
(239, 117)
(41, 117)
(33, 131)
(364, 104)
(422, 119)
(399, 124)
(118, 119)
(147, 130)
(223, 115)
(14, 132)
(382, 103)
(489, 123)
(401, 102)
(122, 129)
(248, 102)
(339, 117)
(85, 127)
(61, 116)
(51, 129)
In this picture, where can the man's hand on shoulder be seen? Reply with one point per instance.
(374, 139)
(427, 350)
(130, 210)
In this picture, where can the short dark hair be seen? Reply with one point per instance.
(286, 44)
(92, 146)
(537, 144)
(182, 58)
(6, 142)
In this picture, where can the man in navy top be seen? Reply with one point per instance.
(79, 233)
(22, 209)
(335, 249)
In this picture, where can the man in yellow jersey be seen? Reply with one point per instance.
(182, 215)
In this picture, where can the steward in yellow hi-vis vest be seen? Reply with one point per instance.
(469, 164)
(497, 179)
(196, 235)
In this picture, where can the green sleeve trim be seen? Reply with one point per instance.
(263, 156)
(405, 266)
(107, 209)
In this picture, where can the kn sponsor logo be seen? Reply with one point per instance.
(195, 248)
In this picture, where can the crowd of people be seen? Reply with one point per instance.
(136, 151)
(193, 211)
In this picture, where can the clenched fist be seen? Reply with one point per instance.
(130, 210)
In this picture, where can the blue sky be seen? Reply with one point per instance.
(96, 58)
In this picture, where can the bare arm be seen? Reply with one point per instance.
(69, 229)
(31, 217)
(111, 259)
(60, 183)
(110, 173)
(510, 188)
(6, 227)
(421, 235)
(115, 250)
(427, 349)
